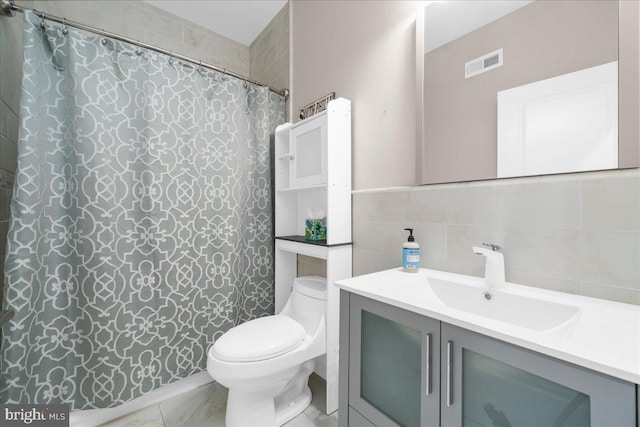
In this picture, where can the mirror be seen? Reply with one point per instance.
(523, 87)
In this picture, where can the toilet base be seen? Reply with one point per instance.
(294, 408)
(272, 404)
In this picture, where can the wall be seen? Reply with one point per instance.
(577, 233)
(141, 21)
(363, 51)
(269, 52)
(530, 55)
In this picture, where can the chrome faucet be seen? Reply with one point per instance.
(494, 266)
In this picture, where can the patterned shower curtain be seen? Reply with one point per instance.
(141, 222)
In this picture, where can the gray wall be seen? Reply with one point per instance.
(269, 53)
(577, 233)
(363, 51)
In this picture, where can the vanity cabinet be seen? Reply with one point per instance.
(393, 355)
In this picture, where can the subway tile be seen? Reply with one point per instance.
(11, 44)
(628, 296)
(432, 239)
(610, 258)
(601, 257)
(9, 123)
(8, 155)
(158, 39)
(123, 28)
(11, 81)
(379, 236)
(73, 10)
(367, 261)
(544, 282)
(612, 203)
(552, 205)
(453, 205)
(5, 203)
(379, 206)
(6, 179)
(460, 241)
(4, 230)
(142, 15)
(200, 39)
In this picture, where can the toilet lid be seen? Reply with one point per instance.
(259, 339)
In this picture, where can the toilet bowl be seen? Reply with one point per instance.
(265, 363)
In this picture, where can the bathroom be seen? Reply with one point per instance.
(576, 233)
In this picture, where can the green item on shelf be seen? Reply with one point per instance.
(315, 229)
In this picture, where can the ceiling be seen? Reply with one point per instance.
(447, 20)
(239, 20)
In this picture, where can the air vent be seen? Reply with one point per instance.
(483, 64)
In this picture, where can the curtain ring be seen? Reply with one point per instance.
(65, 30)
(43, 24)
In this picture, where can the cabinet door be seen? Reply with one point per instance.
(486, 382)
(309, 152)
(393, 364)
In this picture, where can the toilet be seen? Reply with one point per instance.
(265, 363)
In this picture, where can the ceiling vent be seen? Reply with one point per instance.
(483, 64)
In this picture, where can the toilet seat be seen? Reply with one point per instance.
(259, 339)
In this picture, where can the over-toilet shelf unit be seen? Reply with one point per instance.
(313, 172)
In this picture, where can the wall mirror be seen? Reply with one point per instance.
(521, 88)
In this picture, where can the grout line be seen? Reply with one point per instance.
(164, 423)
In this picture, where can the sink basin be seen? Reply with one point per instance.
(527, 312)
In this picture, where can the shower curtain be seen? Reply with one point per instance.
(141, 218)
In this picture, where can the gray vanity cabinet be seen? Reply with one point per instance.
(393, 366)
(487, 382)
(401, 368)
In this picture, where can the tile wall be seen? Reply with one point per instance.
(269, 53)
(141, 21)
(576, 233)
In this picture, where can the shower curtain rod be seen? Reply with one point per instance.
(8, 8)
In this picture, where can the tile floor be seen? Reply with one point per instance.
(205, 407)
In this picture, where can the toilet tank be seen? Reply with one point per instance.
(307, 302)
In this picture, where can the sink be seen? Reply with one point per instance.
(500, 304)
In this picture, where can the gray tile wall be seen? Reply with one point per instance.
(141, 21)
(269, 52)
(575, 233)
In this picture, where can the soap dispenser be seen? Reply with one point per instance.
(410, 254)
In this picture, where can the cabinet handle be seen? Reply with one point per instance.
(449, 372)
(428, 368)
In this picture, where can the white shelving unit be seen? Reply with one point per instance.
(313, 171)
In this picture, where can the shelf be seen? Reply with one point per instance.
(301, 239)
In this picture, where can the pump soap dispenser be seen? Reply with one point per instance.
(410, 254)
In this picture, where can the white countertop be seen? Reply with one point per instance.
(605, 336)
